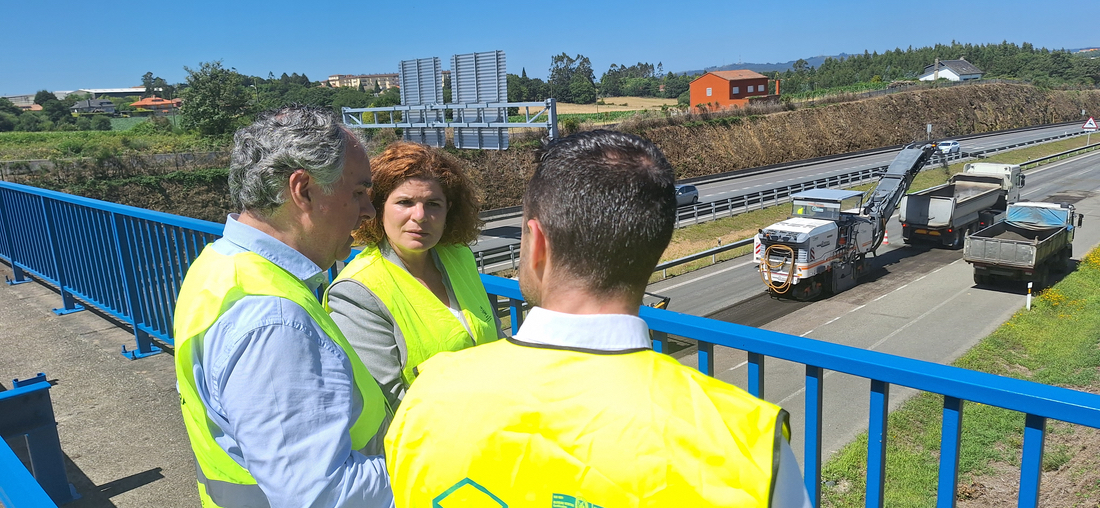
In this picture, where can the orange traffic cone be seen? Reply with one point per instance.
(886, 238)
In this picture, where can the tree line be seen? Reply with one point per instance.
(1039, 66)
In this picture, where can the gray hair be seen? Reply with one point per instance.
(278, 143)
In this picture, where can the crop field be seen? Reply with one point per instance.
(616, 104)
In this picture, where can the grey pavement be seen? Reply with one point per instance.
(118, 419)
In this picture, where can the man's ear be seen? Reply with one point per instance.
(536, 245)
(301, 189)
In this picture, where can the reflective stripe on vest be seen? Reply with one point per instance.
(426, 323)
(214, 283)
(531, 426)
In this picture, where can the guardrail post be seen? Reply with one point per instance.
(17, 271)
(950, 444)
(658, 339)
(1031, 464)
(27, 412)
(68, 304)
(145, 345)
(876, 443)
(756, 374)
(815, 377)
(515, 311)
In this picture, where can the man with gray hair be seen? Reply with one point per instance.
(279, 409)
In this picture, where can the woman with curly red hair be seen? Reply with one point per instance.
(414, 290)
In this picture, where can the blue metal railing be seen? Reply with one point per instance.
(74, 243)
(127, 262)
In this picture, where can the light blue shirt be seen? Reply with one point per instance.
(283, 393)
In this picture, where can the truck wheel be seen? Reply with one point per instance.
(979, 280)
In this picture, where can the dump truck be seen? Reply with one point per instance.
(1033, 241)
(969, 201)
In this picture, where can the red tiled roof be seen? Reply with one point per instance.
(153, 101)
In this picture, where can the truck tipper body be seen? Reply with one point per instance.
(1033, 241)
(971, 200)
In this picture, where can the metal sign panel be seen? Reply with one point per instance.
(480, 78)
(422, 83)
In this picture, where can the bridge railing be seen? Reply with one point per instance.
(129, 263)
(1038, 402)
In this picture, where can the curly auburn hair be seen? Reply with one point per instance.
(404, 160)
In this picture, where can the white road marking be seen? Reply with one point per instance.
(724, 270)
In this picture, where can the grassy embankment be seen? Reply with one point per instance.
(698, 238)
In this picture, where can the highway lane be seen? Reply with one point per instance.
(919, 302)
(506, 230)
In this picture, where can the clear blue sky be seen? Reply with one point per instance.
(66, 45)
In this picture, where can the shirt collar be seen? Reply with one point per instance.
(270, 248)
(602, 332)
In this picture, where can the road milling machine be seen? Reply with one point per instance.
(823, 246)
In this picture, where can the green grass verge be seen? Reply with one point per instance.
(1054, 343)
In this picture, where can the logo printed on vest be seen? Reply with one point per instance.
(468, 494)
(564, 501)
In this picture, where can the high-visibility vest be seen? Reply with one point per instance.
(515, 425)
(214, 283)
(426, 323)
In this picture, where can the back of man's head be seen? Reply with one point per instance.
(607, 204)
(278, 143)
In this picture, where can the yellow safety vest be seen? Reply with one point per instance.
(532, 426)
(214, 283)
(427, 324)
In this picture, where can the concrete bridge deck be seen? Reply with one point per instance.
(118, 420)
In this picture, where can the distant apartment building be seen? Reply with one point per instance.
(385, 81)
(725, 89)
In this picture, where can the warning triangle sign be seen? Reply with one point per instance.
(1090, 125)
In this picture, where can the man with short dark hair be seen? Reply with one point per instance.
(577, 409)
(279, 409)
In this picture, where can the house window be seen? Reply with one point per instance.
(750, 88)
(709, 91)
(736, 90)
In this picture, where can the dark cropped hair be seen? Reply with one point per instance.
(404, 160)
(607, 203)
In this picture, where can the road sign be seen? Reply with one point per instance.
(1090, 125)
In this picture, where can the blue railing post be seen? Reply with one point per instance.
(68, 304)
(706, 358)
(658, 340)
(145, 345)
(17, 271)
(1031, 464)
(814, 393)
(515, 310)
(950, 444)
(876, 443)
(26, 411)
(756, 374)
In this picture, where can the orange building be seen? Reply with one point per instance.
(725, 89)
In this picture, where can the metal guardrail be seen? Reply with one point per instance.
(126, 261)
(1061, 155)
(157, 248)
(1038, 402)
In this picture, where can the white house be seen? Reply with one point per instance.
(951, 70)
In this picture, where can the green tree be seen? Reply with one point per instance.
(563, 68)
(42, 96)
(215, 102)
(7, 121)
(84, 123)
(6, 106)
(147, 82)
(101, 123)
